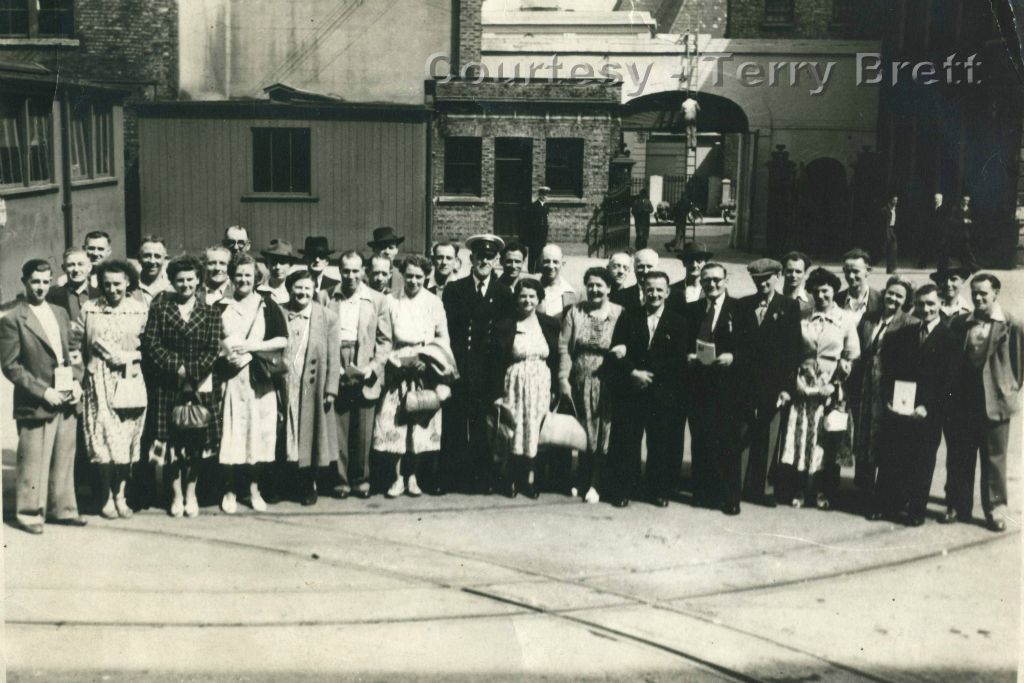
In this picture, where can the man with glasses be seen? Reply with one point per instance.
(631, 298)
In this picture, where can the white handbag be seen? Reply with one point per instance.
(837, 420)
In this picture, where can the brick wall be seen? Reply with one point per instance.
(537, 111)
(811, 19)
(709, 16)
(470, 31)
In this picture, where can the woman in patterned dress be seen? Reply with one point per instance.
(180, 344)
(809, 455)
(583, 345)
(417, 321)
(252, 322)
(113, 335)
(527, 347)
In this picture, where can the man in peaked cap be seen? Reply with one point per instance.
(773, 343)
(385, 242)
(316, 254)
(472, 305)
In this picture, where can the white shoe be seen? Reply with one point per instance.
(592, 496)
(123, 510)
(414, 488)
(177, 507)
(256, 501)
(192, 507)
(229, 504)
(397, 489)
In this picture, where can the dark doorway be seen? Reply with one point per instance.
(513, 183)
(824, 207)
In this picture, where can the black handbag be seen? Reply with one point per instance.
(190, 415)
(265, 366)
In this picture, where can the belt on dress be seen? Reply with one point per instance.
(834, 359)
(533, 356)
(345, 344)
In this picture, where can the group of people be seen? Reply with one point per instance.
(296, 383)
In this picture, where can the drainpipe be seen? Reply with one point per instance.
(65, 170)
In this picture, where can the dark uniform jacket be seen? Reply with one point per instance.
(471, 320)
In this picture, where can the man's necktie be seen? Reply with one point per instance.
(762, 310)
(481, 289)
(706, 324)
(876, 342)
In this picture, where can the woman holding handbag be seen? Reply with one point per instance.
(583, 346)
(526, 345)
(180, 344)
(406, 426)
(252, 359)
(114, 409)
(817, 421)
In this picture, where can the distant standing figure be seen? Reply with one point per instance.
(962, 229)
(642, 209)
(533, 233)
(888, 225)
(690, 110)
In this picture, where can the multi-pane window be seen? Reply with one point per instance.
(92, 141)
(37, 18)
(563, 168)
(462, 162)
(778, 12)
(281, 160)
(26, 149)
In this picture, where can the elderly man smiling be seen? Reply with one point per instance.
(558, 294)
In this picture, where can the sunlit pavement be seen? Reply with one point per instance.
(463, 587)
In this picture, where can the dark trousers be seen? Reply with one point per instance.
(758, 453)
(716, 438)
(973, 437)
(643, 230)
(533, 258)
(466, 461)
(660, 420)
(891, 251)
(907, 464)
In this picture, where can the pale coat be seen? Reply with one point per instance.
(321, 369)
(373, 340)
(1003, 372)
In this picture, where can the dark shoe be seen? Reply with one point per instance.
(362, 494)
(511, 491)
(875, 516)
(620, 502)
(659, 502)
(531, 491)
(996, 525)
(310, 498)
(34, 529)
(915, 521)
(731, 510)
(340, 493)
(435, 491)
(272, 498)
(69, 521)
(951, 517)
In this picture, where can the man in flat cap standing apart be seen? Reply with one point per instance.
(316, 254)
(472, 305)
(385, 243)
(533, 232)
(773, 346)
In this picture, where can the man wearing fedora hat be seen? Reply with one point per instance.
(473, 304)
(316, 254)
(950, 278)
(774, 344)
(693, 255)
(385, 243)
(533, 231)
(279, 258)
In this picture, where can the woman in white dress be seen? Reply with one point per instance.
(418, 322)
(252, 323)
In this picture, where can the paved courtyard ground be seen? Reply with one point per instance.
(469, 587)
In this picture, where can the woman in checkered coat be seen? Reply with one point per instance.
(179, 346)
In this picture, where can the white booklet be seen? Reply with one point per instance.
(904, 397)
(705, 352)
(63, 379)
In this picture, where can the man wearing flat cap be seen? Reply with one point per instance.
(533, 232)
(316, 254)
(473, 304)
(773, 346)
(385, 243)
(279, 258)
(950, 278)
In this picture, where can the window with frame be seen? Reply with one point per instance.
(281, 160)
(843, 11)
(563, 166)
(462, 163)
(778, 12)
(37, 18)
(92, 141)
(26, 150)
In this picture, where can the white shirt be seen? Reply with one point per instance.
(486, 282)
(158, 286)
(279, 295)
(554, 303)
(51, 328)
(717, 303)
(215, 295)
(652, 324)
(690, 108)
(348, 312)
(693, 292)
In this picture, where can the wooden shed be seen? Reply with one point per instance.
(308, 165)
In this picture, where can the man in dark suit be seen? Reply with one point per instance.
(316, 254)
(693, 255)
(385, 243)
(631, 298)
(716, 431)
(76, 289)
(35, 357)
(648, 345)
(773, 347)
(472, 305)
(987, 394)
(934, 233)
(961, 234)
(925, 354)
(533, 232)
(887, 228)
